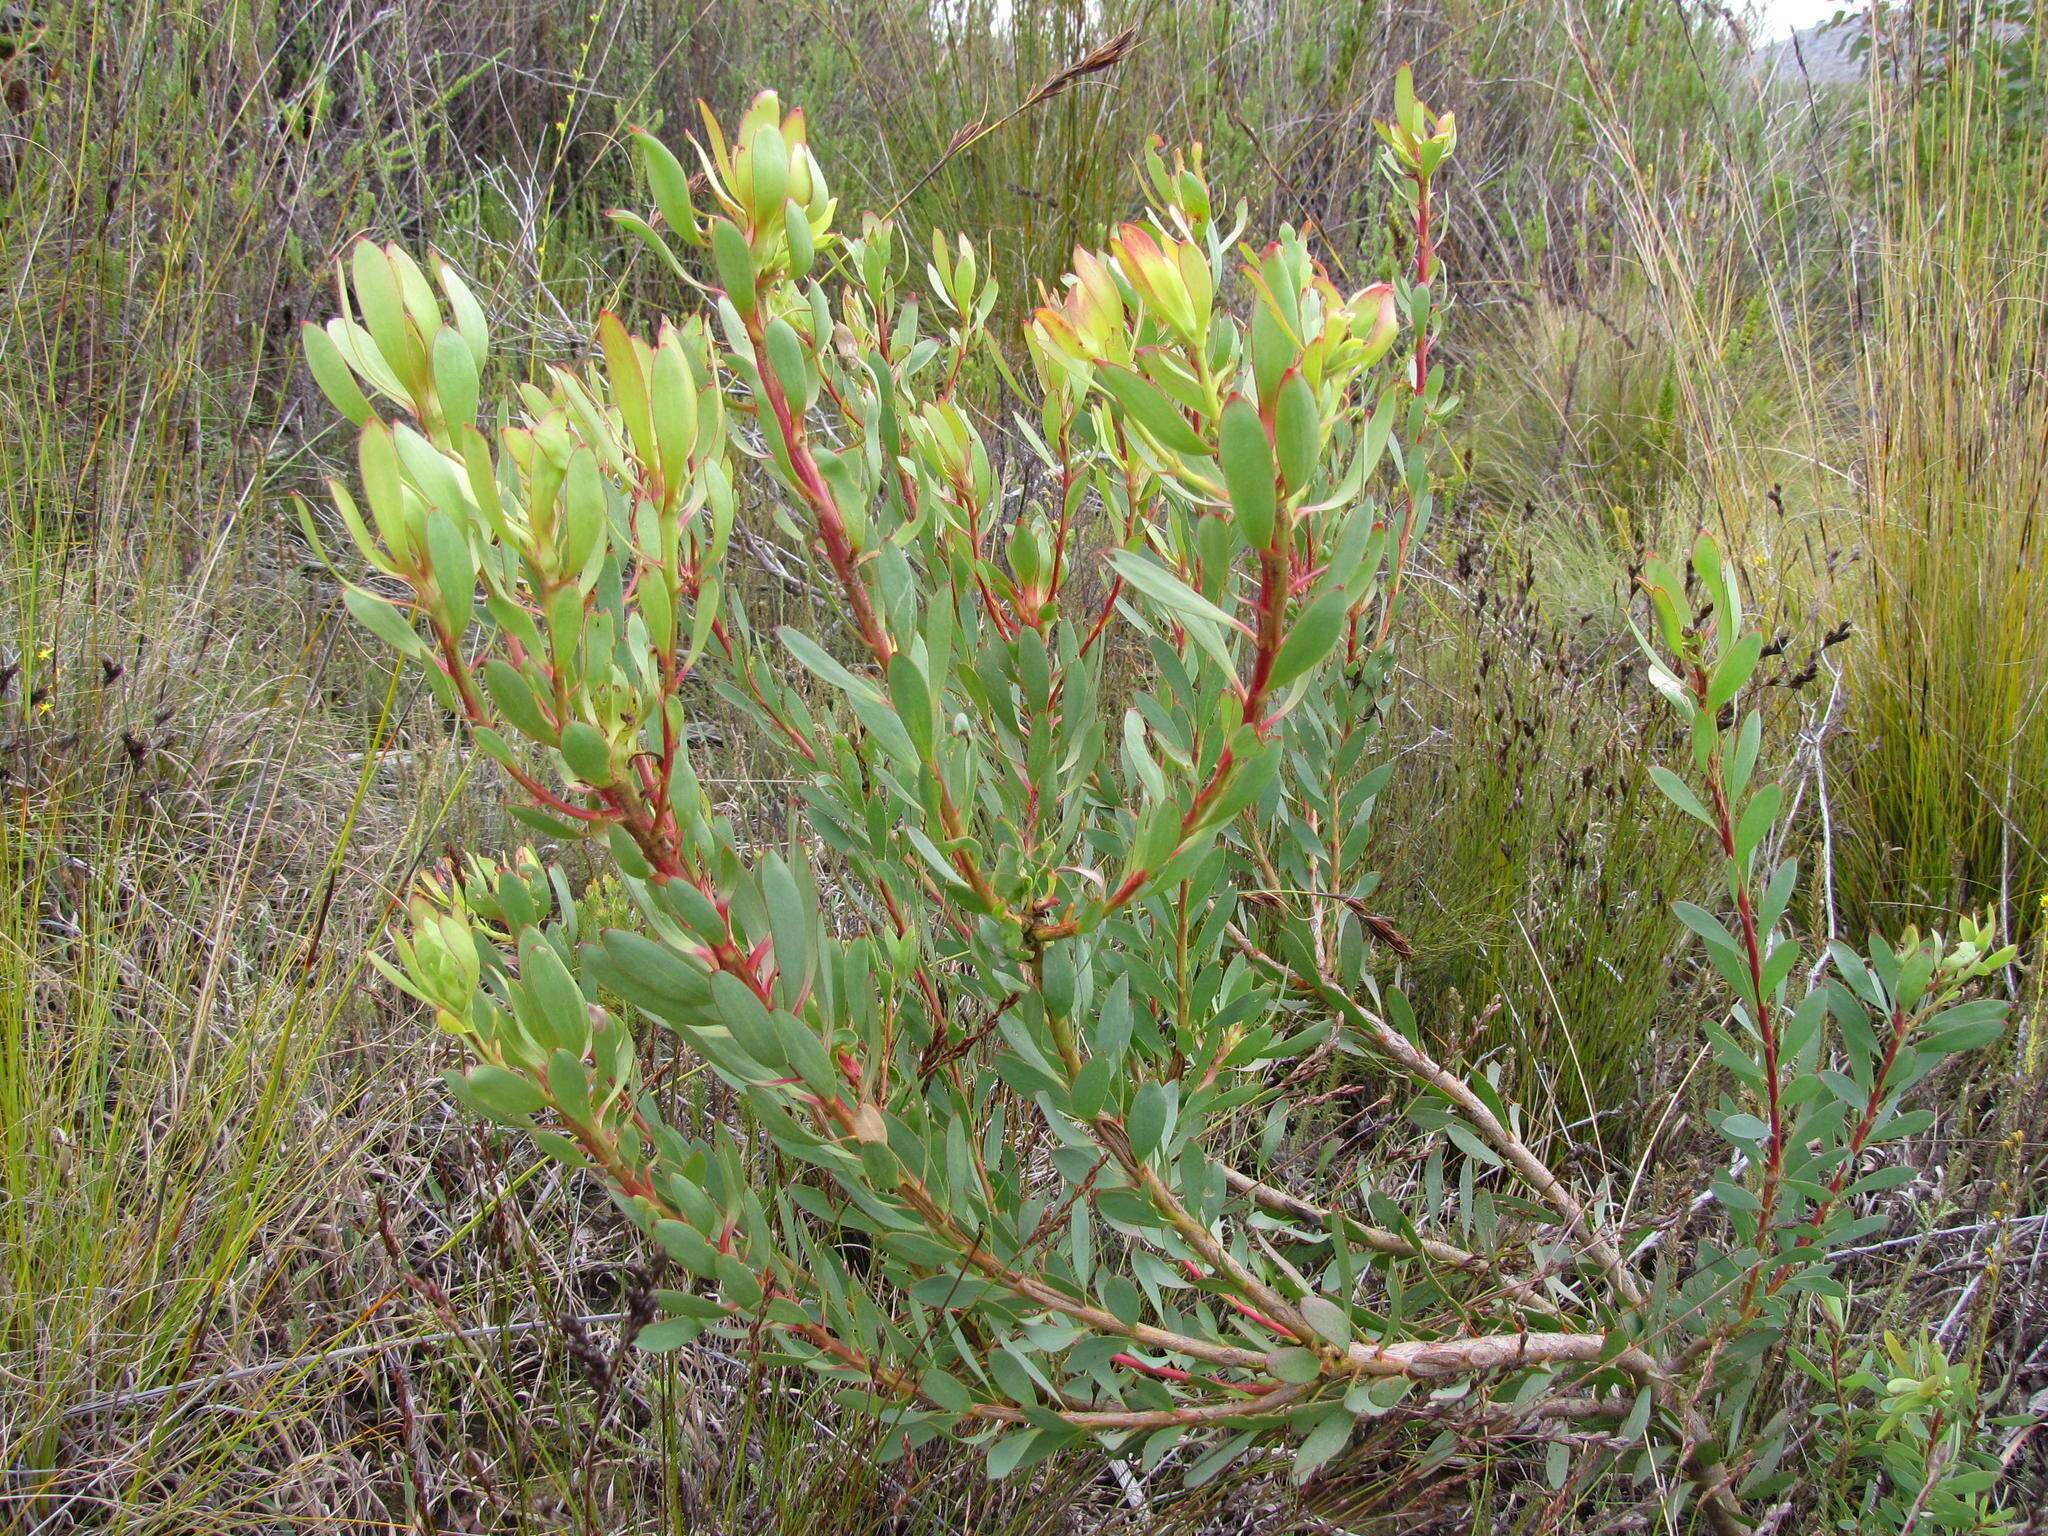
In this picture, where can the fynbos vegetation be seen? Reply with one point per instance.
(1059, 848)
(1079, 895)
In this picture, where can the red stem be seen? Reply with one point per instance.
(1766, 1016)
(824, 505)
(1902, 1027)
(1425, 268)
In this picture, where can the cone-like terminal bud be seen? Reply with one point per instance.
(1170, 277)
(956, 274)
(777, 209)
(1420, 139)
(1086, 326)
(1375, 320)
(441, 959)
(1181, 188)
(1031, 566)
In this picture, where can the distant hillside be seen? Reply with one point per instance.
(1820, 53)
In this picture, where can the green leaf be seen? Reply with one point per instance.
(1331, 1434)
(1734, 670)
(689, 1248)
(1557, 1462)
(530, 816)
(1778, 894)
(1091, 1088)
(816, 659)
(568, 1083)
(1219, 1460)
(1146, 1122)
(587, 753)
(1313, 635)
(1167, 589)
(688, 1304)
(803, 247)
(515, 700)
(1757, 819)
(789, 923)
(1735, 1197)
(1379, 430)
(668, 1334)
(948, 1291)
(332, 373)
(1006, 1451)
(649, 976)
(911, 697)
(455, 378)
(669, 183)
(1962, 1037)
(1704, 923)
(802, 1048)
(1329, 1319)
(628, 382)
(1745, 1129)
(1407, 110)
(946, 1390)
(651, 238)
(1375, 1395)
(786, 358)
(383, 310)
(769, 156)
(1639, 1416)
(1297, 429)
(1467, 1141)
(1680, 794)
(1295, 1366)
(734, 264)
(1248, 472)
(1112, 1032)
(561, 1149)
(384, 620)
(470, 322)
(551, 986)
(747, 1019)
(442, 481)
(454, 571)
(1713, 574)
(504, 1095)
(1898, 1127)
(1143, 402)
(583, 521)
(1748, 740)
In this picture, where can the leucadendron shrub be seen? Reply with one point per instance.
(1081, 892)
